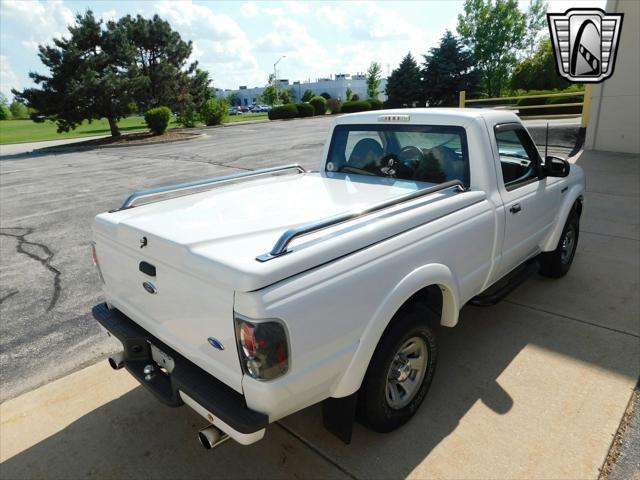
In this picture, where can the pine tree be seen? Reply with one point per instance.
(109, 71)
(449, 68)
(404, 88)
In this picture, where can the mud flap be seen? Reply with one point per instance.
(338, 415)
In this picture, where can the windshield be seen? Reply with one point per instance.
(424, 153)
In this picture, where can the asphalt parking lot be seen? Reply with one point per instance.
(534, 387)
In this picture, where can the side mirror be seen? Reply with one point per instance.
(556, 167)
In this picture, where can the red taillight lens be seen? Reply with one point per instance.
(263, 348)
(96, 261)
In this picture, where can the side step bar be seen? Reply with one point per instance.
(506, 285)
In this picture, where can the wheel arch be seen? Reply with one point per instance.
(432, 284)
(573, 201)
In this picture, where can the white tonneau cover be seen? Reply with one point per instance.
(218, 233)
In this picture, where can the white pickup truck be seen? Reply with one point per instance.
(253, 296)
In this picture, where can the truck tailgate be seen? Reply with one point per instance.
(180, 309)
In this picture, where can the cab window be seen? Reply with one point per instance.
(424, 153)
(518, 156)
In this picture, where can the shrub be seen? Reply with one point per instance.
(214, 111)
(305, 109)
(287, 110)
(319, 104)
(157, 119)
(375, 103)
(356, 106)
(19, 111)
(334, 105)
(307, 95)
(355, 97)
(325, 95)
(5, 113)
(188, 116)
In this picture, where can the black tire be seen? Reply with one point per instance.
(374, 410)
(556, 264)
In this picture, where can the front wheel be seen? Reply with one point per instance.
(400, 371)
(556, 264)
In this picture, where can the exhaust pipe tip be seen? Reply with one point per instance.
(117, 361)
(210, 437)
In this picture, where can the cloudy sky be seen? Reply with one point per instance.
(238, 42)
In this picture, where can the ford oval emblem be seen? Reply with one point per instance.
(215, 343)
(149, 287)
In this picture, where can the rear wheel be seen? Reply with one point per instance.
(400, 371)
(556, 264)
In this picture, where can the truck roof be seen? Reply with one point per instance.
(439, 116)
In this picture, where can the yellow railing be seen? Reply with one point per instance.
(585, 104)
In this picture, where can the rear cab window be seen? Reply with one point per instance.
(423, 153)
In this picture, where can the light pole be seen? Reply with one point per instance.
(275, 77)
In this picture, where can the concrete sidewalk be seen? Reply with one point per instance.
(534, 387)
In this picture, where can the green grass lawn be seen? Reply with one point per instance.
(246, 117)
(19, 131)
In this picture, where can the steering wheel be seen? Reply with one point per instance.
(410, 156)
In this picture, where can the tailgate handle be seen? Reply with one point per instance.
(148, 269)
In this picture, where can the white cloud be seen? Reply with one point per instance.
(43, 20)
(220, 44)
(109, 15)
(296, 7)
(250, 9)
(334, 16)
(304, 53)
(8, 78)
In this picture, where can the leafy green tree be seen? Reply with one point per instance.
(404, 87)
(268, 95)
(372, 78)
(88, 76)
(19, 111)
(5, 113)
(307, 95)
(448, 68)
(536, 23)
(495, 33)
(286, 95)
(539, 71)
(348, 94)
(233, 99)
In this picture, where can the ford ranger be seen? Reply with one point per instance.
(253, 296)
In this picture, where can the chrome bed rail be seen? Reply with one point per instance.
(216, 181)
(281, 245)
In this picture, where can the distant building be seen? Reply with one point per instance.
(335, 86)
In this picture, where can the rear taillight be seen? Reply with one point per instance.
(263, 348)
(96, 262)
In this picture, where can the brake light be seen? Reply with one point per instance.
(96, 261)
(262, 347)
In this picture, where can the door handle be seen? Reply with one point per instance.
(515, 208)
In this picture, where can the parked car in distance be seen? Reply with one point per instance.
(235, 110)
(277, 289)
